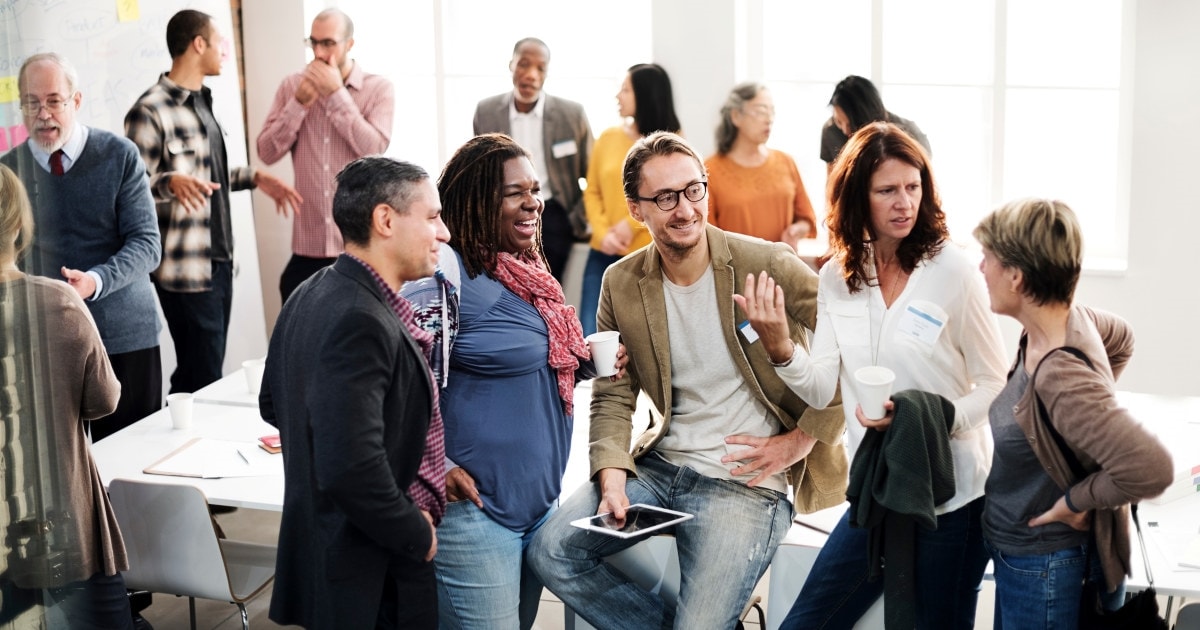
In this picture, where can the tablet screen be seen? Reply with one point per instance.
(639, 519)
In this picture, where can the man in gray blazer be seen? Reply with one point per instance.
(348, 385)
(556, 133)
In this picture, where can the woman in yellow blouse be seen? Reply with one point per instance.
(752, 189)
(646, 106)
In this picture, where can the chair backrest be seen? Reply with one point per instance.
(1188, 617)
(170, 539)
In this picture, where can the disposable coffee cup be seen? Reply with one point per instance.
(604, 351)
(180, 406)
(874, 389)
(254, 374)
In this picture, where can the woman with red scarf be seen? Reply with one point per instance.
(512, 352)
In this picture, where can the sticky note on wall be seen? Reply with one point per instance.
(128, 11)
(8, 89)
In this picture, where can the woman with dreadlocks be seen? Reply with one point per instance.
(515, 353)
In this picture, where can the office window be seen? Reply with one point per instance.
(446, 55)
(1017, 98)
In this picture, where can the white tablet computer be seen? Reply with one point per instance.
(639, 519)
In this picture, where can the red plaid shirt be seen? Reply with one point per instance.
(328, 135)
(429, 489)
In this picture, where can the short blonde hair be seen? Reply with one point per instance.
(1042, 239)
(16, 216)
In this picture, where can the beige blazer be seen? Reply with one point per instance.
(632, 302)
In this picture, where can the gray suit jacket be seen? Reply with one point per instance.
(564, 121)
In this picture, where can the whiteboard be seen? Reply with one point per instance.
(119, 49)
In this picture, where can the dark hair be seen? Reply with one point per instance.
(849, 189)
(364, 184)
(472, 191)
(859, 100)
(653, 103)
(659, 143)
(726, 131)
(184, 27)
(530, 40)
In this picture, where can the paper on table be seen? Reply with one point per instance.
(1191, 555)
(214, 459)
(1174, 544)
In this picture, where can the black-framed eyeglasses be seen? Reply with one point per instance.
(322, 43)
(54, 105)
(667, 200)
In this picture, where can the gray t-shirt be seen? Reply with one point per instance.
(709, 397)
(832, 138)
(1017, 488)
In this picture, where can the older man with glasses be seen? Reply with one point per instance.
(326, 115)
(706, 326)
(96, 228)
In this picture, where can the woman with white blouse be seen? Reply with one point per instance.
(897, 293)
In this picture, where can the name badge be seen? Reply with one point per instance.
(748, 331)
(922, 322)
(563, 149)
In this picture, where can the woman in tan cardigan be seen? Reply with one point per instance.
(62, 553)
(1044, 525)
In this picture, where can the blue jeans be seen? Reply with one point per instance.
(1043, 591)
(589, 297)
(950, 562)
(723, 551)
(483, 575)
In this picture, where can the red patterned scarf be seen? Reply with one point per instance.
(532, 283)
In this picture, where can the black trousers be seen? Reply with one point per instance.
(557, 238)
(140, 374)
(199, 323)
(299, 269)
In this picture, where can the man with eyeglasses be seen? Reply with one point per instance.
(558, 137)
(706, 317)
(183, 148)
(327, 115)
(96, 228)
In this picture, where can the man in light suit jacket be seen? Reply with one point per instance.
(729, 434)
(556, 133)
(348, 386)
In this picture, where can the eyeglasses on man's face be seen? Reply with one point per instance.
(667, 200)
(322, 43)
(54, 105)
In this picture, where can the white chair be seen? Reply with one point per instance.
(173, 547)
(1188, 617)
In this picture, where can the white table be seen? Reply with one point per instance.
(1176, 421)
(126, 453)
(230, 390)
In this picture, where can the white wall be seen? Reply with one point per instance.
(700, 50)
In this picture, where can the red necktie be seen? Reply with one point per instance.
(56, 167)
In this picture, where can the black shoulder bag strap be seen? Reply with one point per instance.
(1077, 468)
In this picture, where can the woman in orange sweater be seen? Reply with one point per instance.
(753, 189)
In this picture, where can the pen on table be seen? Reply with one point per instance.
(243, 456)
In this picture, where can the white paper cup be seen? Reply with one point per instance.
(180, 406)
(254, 374)
(604, 351)
(874, 389)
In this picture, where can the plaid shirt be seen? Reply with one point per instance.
(171, 139)
(428, 490)
(323, 138)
